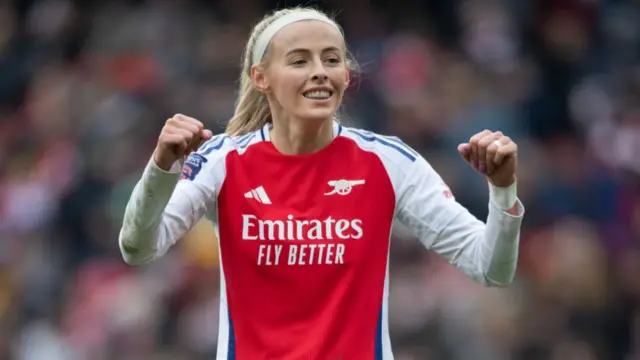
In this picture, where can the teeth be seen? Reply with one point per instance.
(322, 94)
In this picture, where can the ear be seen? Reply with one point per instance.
(258, 79)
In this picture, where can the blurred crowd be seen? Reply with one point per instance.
(86, 86)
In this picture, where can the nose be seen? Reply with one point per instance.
(319, 73)
(320, 77)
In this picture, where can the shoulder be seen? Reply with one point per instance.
(389, 148)
(221, 145)
(399, 159)
(213, 152)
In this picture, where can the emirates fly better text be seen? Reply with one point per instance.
(317, 251)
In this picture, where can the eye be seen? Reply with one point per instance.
(298, 62)
(334, 60)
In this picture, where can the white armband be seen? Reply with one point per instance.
(503, 197)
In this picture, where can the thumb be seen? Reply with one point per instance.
(200, 139)
(465, 151)
(206, 134)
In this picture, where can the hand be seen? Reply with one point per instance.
(492, 154)
(180, 136)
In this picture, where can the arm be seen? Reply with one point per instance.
(485, 252)
(162, 209)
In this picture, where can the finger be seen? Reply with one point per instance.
(465, 152)
(490, 154)
(473, 144)
(206, 134)
(198, 140)
(508, 149)
(186, 133)
(189, 120)
(194, 145)
(182, 124)
(176, 142)
(483, 144)
(191, 140)
(491, 150)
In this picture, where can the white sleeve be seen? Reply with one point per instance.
(488, 252)
(164, 206)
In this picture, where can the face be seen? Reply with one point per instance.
(305, 72)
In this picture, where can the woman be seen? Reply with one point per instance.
(304, 206)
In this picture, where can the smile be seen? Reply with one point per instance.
(318, 94)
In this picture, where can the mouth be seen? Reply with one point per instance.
(318, 94)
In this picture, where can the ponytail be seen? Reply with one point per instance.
(252, 109)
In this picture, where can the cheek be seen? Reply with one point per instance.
(287, 89)
(339, 78)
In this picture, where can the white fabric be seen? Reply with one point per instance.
(272, 29)
(504, 197)
(486, 251)
(162, 210)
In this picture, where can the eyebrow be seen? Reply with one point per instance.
(302, 50)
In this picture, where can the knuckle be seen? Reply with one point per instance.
(189, 120)
(190, 127)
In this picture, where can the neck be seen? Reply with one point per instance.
(299, 137)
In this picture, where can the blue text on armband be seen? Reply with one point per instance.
(192, 166)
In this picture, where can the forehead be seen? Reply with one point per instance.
(307, 34)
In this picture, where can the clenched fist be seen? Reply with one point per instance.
(180, 136)
(492, 154)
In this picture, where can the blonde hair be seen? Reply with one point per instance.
(252, 110)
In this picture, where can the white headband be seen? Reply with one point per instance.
(272, 29)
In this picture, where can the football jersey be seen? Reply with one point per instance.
(304, 239)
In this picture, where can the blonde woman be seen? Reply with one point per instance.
(303, 206)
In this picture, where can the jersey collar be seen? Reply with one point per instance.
(264, 132)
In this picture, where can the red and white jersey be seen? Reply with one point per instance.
(304, 240)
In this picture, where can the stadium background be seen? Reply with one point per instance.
(86, 86)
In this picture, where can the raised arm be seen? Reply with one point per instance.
(163, 208)
(486, 252)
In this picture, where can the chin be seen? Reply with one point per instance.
(320, 114)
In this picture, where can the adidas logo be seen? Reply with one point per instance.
(259, 195)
